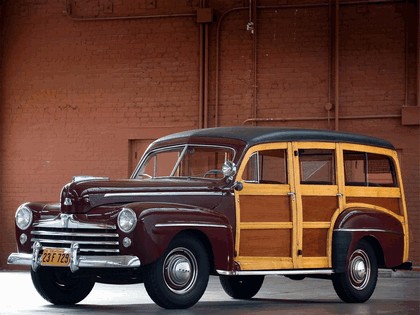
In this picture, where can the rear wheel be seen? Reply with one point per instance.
(241, 287)
(179, 278)
(60, 286)
(357, 283)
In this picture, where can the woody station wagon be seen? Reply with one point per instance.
(239, 203)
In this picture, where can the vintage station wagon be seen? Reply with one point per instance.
(236, 202)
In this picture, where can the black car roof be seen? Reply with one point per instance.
(255, 135)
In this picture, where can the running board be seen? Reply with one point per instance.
(275, 272)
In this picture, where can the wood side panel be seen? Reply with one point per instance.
(392, 204)
(260, 208)
(315, 242)
(268, 243)
(318, 208)
(265, 263)
(315, 262)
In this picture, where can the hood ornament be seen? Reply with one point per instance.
(65, 218)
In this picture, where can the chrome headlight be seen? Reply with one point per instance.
(127, 220)
(23, 217)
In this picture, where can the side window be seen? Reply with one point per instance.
(368, 169)
(267, 167)
(317, 166)
(161, 164)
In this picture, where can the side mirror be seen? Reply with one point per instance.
(229, 169)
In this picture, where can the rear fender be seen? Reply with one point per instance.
(382, 229)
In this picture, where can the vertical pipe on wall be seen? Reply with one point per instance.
(216, 79)
(418, 53)
(330, 43)
(217, 66)
(204, 73)
(200, 79)
(337, 63)
(255, 55)
(406, 53)
(206, 76)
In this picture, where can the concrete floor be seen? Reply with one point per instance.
(279, 295)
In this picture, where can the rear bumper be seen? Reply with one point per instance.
(76, 261)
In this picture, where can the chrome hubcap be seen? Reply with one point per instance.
(180, 270)
(359, 269)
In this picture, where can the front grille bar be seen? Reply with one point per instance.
(71, 234)
(65, 230)
(44, 241)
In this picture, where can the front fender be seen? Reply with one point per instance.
(159, 224)
(382, 229)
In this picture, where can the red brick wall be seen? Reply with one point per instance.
(73, 93)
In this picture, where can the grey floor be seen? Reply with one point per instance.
(279, 295)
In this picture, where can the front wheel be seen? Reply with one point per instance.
(60, 286)
(241, 287)
(357, 283)
(179, 278)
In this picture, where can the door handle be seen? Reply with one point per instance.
(293, 195)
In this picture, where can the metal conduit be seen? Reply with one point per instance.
(336, 60)
(286, 119)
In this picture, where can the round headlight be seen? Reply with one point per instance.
(127, 220)
(23, 217)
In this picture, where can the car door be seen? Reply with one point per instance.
(265, 209)
(318, 200)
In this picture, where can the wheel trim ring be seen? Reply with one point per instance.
(359, 269)
(180, 270)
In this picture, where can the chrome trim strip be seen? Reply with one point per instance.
(158, 225)
(50, 241)
(99, 250)
(366, 230)
(164, 193)
(52, 233)
(81, 178)
(275, 272)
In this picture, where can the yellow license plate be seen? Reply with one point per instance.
(55, 257)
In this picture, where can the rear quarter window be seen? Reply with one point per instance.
(369, 169)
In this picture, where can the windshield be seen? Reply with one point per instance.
(186, 161)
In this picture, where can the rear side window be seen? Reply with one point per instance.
(317, 167)
(369, 169)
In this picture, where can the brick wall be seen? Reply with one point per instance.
(74, 93)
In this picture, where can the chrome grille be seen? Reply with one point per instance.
(61, 232)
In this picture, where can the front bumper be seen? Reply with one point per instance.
(76, 261)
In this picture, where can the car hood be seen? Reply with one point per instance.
(82, 196)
